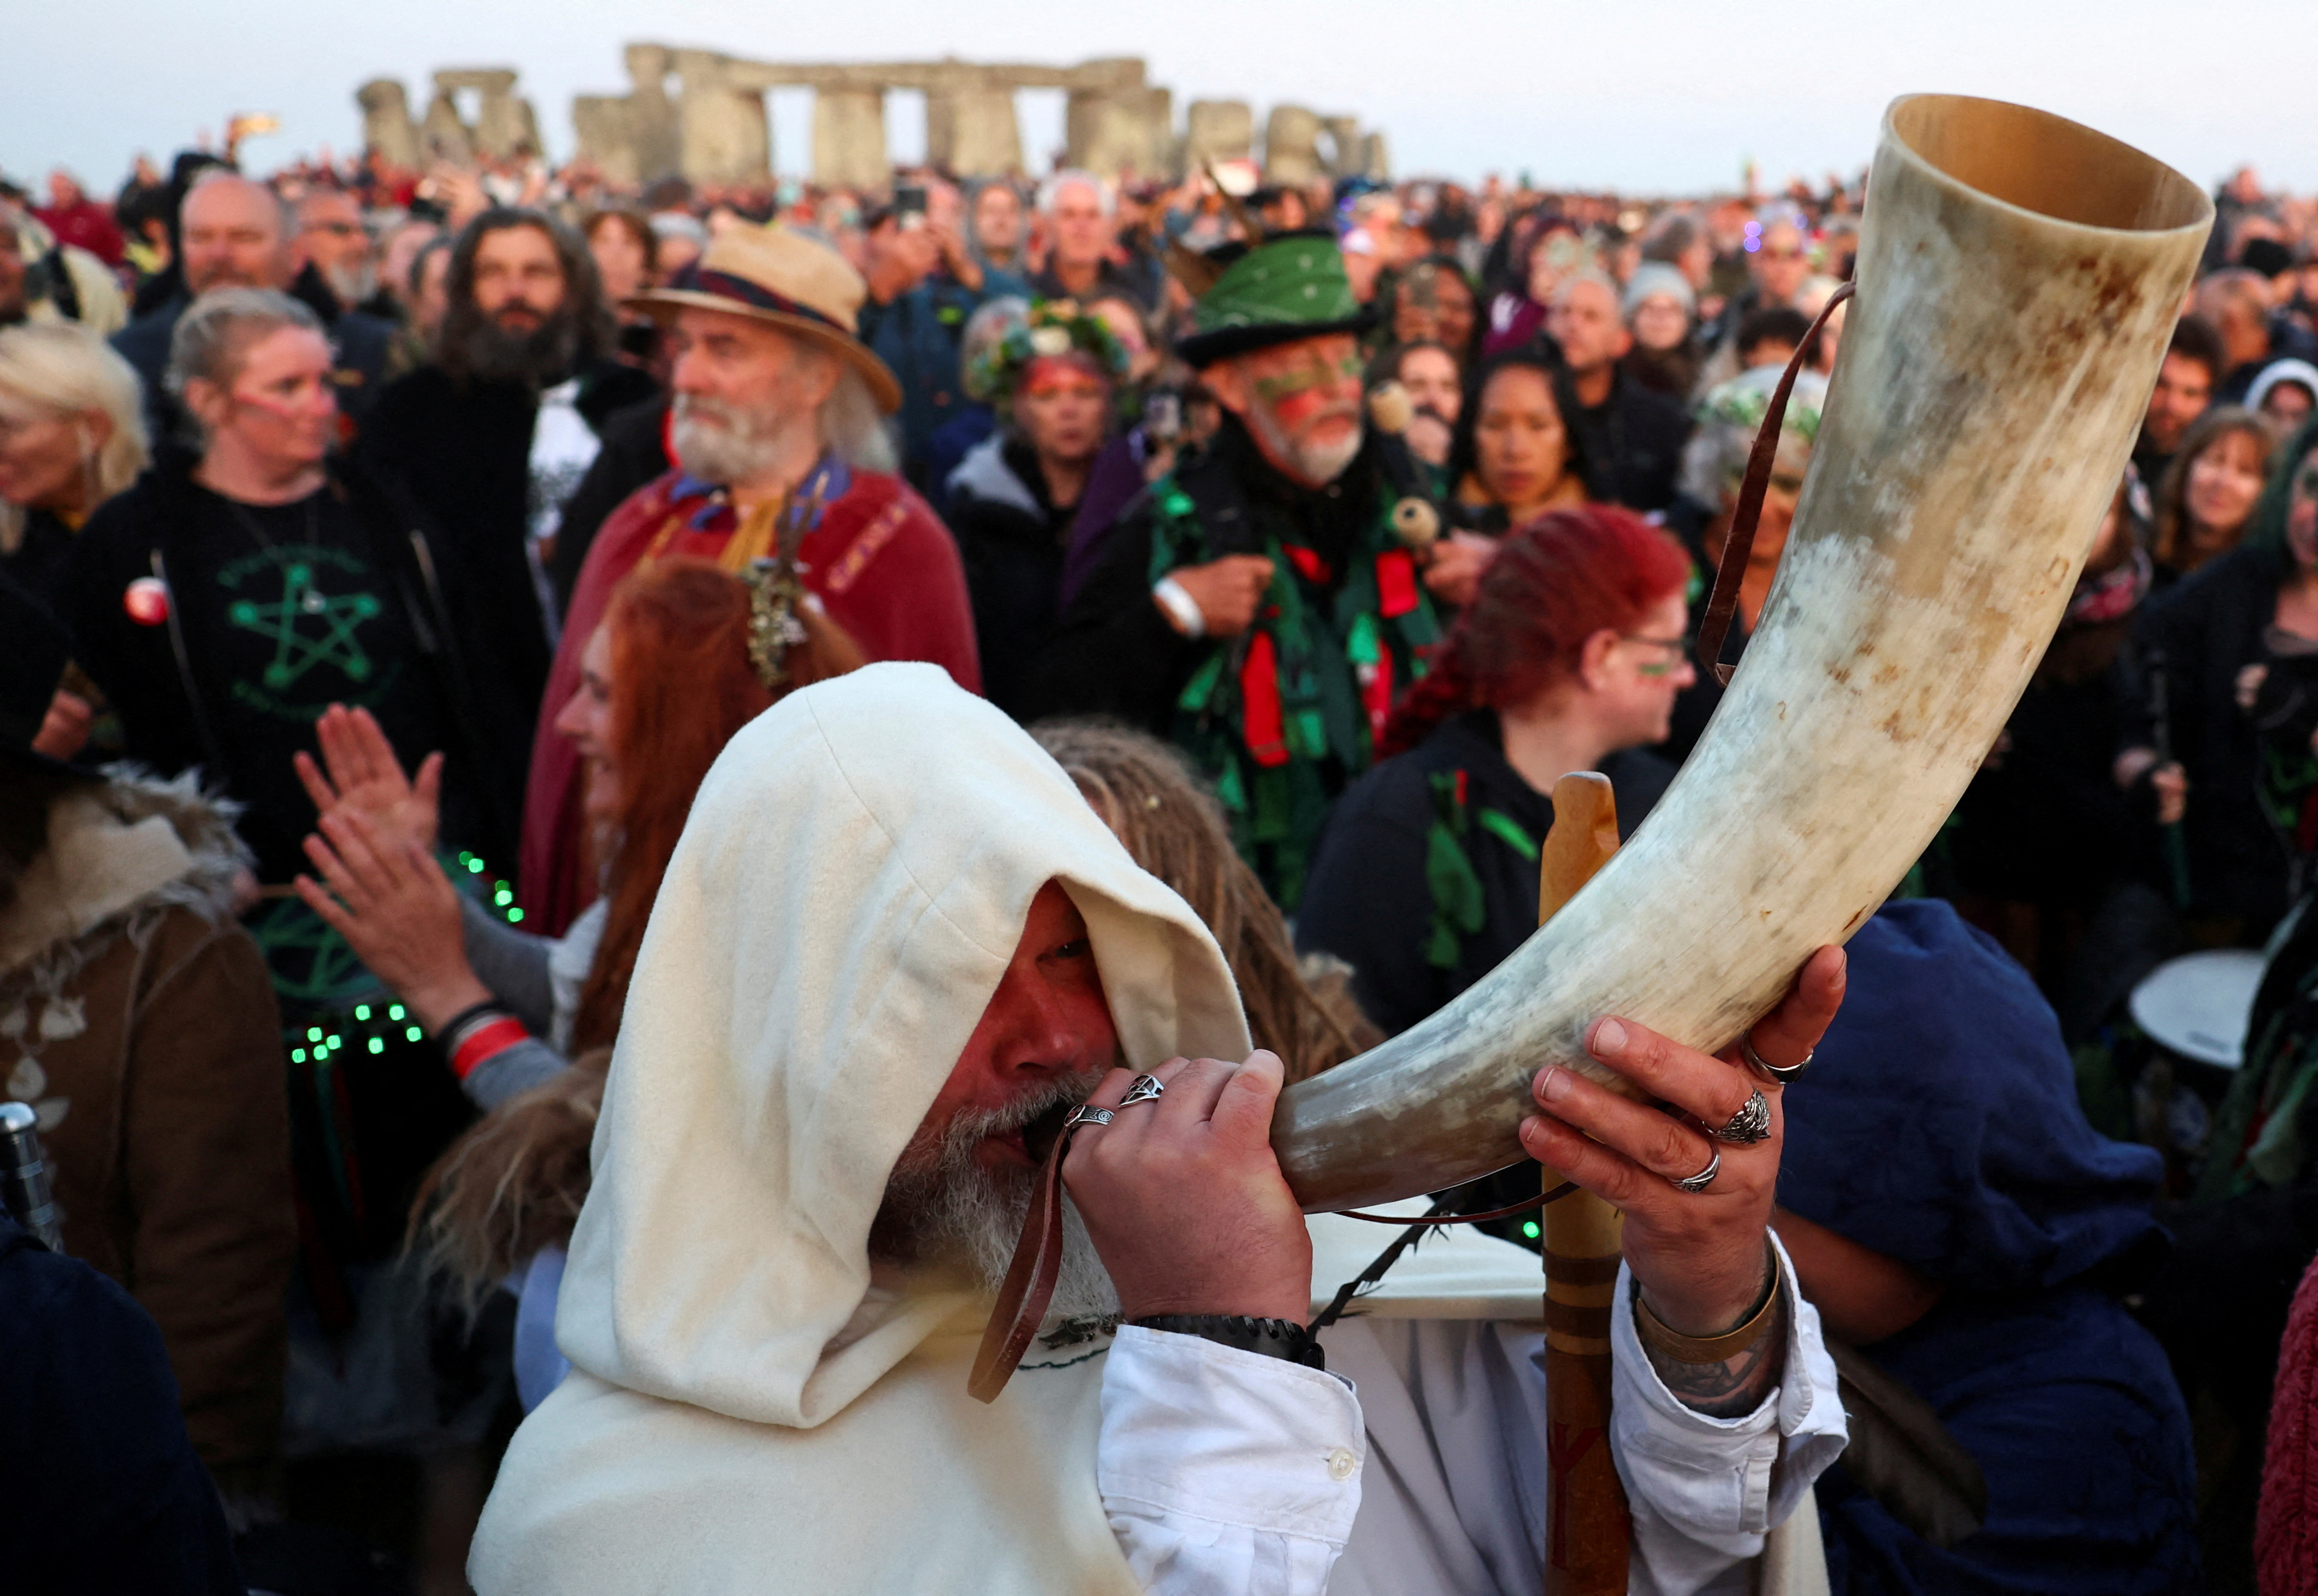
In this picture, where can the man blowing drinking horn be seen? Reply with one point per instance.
(893, 944)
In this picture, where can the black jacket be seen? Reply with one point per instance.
(1369, 900)
(171, 706)
(2208, 627)
(100, 1489)
(1113, 652)
(1011, 539)
(361, 342)
(1633, 442)
(463, 450)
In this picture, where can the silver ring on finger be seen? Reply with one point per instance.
(1750, 1125)
(1085, 1114)
(1782, 1073)
(1694, 1184)
(1142, 1089)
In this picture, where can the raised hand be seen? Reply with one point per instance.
(1699, 1257)
(397, 910)
(365, 775)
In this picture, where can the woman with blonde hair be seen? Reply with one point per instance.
(72, 435)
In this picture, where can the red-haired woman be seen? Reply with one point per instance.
(1569, 659)
(665, 681)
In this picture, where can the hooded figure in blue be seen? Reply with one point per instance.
(1978, 1225)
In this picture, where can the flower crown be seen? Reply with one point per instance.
(1743, 404)
(1052, 327)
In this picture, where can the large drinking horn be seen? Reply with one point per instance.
(2018, 280)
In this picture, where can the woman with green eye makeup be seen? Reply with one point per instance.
(1569, 657)
(1713, 464)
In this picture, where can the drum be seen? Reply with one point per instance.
(2195, 1011)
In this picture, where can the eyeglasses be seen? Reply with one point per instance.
(1676, 649)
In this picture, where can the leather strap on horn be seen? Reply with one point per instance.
(1738, 542)
(1029, 1283)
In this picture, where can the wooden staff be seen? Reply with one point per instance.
(1588, 1532)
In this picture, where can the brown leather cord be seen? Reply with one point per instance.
(1029, 1284)
(1738, 542)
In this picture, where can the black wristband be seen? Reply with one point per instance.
(466, 1019)
(1272, 1338)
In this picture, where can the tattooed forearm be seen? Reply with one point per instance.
(1736, 1386)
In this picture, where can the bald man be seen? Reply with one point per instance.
(236, 233)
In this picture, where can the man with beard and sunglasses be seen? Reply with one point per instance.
(893, 947)
(783, 449)
(495, 431)
(1256, 605)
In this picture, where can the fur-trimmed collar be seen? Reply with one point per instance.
(117, 850)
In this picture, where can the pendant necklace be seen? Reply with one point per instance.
(297, 574)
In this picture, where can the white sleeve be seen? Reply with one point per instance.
(1704, 1491)
(1226, 1473)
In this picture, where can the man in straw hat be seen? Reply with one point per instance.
(892, 948)
(1256, 605)
(781, 448)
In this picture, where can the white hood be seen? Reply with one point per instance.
(847, 892)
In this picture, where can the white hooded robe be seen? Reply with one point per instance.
(747, 1412)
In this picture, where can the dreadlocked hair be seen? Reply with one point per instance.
(1554, 583)
(512, 1186)
(681, 686)
(1171, 827)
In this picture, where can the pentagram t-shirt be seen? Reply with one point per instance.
(286, 612)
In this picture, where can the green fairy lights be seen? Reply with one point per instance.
(371, 1025)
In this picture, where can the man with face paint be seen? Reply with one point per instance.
(1254, 605)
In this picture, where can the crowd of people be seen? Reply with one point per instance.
(387, 558)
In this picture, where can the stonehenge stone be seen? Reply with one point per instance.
(848, 139)
(722, 134)
(604, 126)
(1217, 131)
(651, 117)
(972, 130)
(1128, 130)
(443, 136)
(1291, 146)
(387, 127)
(714, 129)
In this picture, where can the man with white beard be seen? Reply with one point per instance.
(893, 942)
(782, 449)
(1254, 605)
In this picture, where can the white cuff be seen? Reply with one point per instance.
(1180, 607)
(1195, 1429)
(1721, 1483)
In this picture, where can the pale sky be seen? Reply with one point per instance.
(1642, 95)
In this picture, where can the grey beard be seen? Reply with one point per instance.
(741, 450)
(1315, 465)
(540, 358)
(945, 1210)
(353, 285)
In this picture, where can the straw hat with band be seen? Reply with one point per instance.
(1282, 290)
(778, 275)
